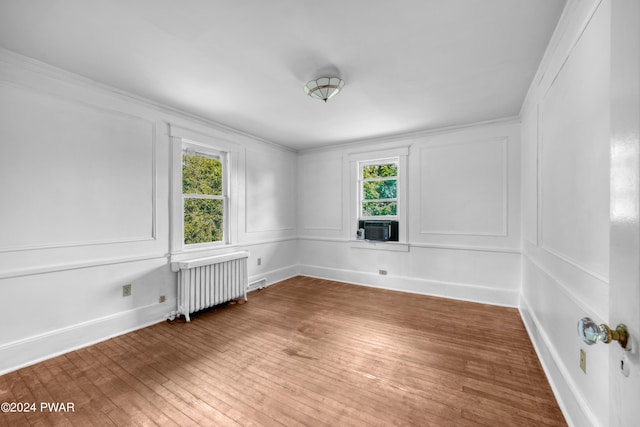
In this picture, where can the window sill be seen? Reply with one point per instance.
(202, 252)
(379, 245)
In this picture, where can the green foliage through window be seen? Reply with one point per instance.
(202, 189)
(379, 190)
(379, 209)
(380, 171)
(203, 220)
(201, 175)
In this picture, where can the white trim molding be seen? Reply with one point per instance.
(574, 408)
(31, 350)
(452, 290)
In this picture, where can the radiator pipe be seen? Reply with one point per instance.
(264, 279)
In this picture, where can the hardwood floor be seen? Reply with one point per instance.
(302, 352)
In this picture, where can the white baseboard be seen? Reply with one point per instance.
(576, 411)
(28, 351)
(34, 349)
(459, 291)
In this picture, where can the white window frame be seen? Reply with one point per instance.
(362, 180)
(206, 143)
(193, 148)
(372, 157)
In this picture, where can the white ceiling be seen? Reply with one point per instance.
(409, 65)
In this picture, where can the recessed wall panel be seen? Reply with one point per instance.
(321, 192)
(575, 156)
(270, 191)
(72, 174)
(463, 188)
(530, 176)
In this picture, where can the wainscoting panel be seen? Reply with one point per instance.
(321, 198)
(270, 191)
(83, 174)
(575, 156)
(464, 188)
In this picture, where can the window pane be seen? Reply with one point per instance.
(203, 220)
(379, 189)
(201, 175)
(379, 208)
(380, 171)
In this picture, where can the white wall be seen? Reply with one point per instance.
(565, 137)
(85, 173)
(462, 215)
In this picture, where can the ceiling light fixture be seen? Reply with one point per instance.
(324, 87)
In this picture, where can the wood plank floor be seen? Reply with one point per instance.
(302, 352)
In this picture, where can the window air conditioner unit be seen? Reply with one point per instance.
(383, 230)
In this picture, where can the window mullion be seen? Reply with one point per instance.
(384, 178)
(394, 199)
(204, 196)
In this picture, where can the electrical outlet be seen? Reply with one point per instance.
(162, 298)
(382, 272)
(583, 361)
(259, 261)
(126, 290)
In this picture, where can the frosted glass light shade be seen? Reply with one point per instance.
(324, 87)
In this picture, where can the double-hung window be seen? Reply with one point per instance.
(378, 198)
(204, 196)
(378, 189)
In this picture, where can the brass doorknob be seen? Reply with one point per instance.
(591, 332)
